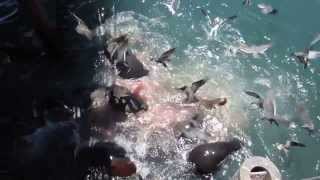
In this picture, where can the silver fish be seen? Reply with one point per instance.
(308, 54)
(289, 144)
(247, 2)
(304, 116)
(267, 9)
(82, 28)
(255, 50)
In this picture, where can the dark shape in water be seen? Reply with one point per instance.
(125, 62)
(122, 99)
(208, 157)
(267, 9)
(247, 2)
(211, 104)
(212, 21)
(103, 158)
(191, 90)
(165, 57)
(308, 53)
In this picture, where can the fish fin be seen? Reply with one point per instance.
(204, 12)
(274, 12)
(253, 94)
(164, 64)
(182, 88)
(271, 120)
(196, 85)
(314, 41)
(297, 144)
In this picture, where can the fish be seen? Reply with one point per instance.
(105, 157)
(212, 104)
(267, 9)
(49, 147)
(190, 91)
(122, 99)
(216, 23)
(308, 54)
(312, 178)
(268, 105)
(82, 28)
(255, 50)
(304, 116)
(247, 2)
(165, 57)
(191, 129)
(288, 145)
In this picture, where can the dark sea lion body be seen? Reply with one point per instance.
(104, 157)
(127, 64)
(131, 68)
(208, 157)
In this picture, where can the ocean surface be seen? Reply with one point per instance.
(154, 26)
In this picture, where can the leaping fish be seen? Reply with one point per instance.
(82, 28)
(267, 9)
(308, 54)
(255, 50)
(288, 145)
(165, 57)
(190, 91)
(216, 23)
(304, 116)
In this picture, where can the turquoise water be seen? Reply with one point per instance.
(199, 55)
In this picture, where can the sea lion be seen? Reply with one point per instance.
(122, 99)
(82, 28)
(125, 63)
(304, 116)
(208, 157)
(212, 104)
(247, 2)
(101, 158)
(216, 23)
(268, 105)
